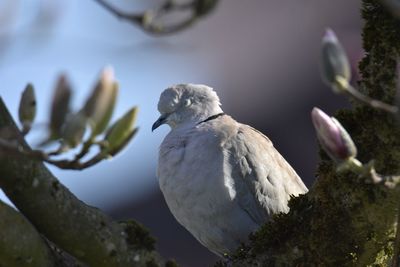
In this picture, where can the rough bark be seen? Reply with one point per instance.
(84, 232)
(343, 220)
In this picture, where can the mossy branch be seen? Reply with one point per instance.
(84, 232)
(344, 220)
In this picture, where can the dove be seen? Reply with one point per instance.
(221, 179)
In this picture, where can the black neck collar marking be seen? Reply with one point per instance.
(212, 117)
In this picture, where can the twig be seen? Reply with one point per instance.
(370, 101)
(135, 18)
(74, 164)
(389, 181)
(343, 86)
(85, 149)
(146, 22)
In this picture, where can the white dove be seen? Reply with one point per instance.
(221, 179)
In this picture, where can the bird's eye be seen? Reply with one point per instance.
(188, 102)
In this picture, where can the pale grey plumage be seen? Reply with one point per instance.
(221, 179)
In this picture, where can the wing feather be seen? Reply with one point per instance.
(262, 178)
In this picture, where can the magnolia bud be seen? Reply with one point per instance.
(74, 130)
(334, 139)
(27, 108)
(59, 105)
(108, 111)
(115, 150)
(100, 105)
(334, 62)
(121, 131)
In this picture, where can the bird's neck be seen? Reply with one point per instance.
(199, 118)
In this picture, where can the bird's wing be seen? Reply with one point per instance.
(262, 178)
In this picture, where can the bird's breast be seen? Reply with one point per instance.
(190, 172)
(182, 161)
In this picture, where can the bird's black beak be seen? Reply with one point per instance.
(161, 120)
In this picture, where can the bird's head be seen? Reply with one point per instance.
(187, 104)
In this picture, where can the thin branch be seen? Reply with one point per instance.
(146, 20)
(345, 87)
(368, 170)
(85, 149)
(156, 29)
(135, 18)
(76, 164)
(370, 101)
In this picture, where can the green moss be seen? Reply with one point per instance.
(376, 135)
(381, 42)
(171, 263)
(152, 263)
(138, 236)
(343, 221)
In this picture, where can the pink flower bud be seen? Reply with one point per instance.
(334, 139)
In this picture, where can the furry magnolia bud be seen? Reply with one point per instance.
(100, 105)
(27, 108)
(334, 61)
(334, 139)
(121, 132)
(116, 149)
(59, 105)
(74, 130)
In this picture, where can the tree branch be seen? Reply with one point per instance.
(20, 244)
(84, 232)
(134, 18)
(147, 20)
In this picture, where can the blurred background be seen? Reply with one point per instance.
(260, 56)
